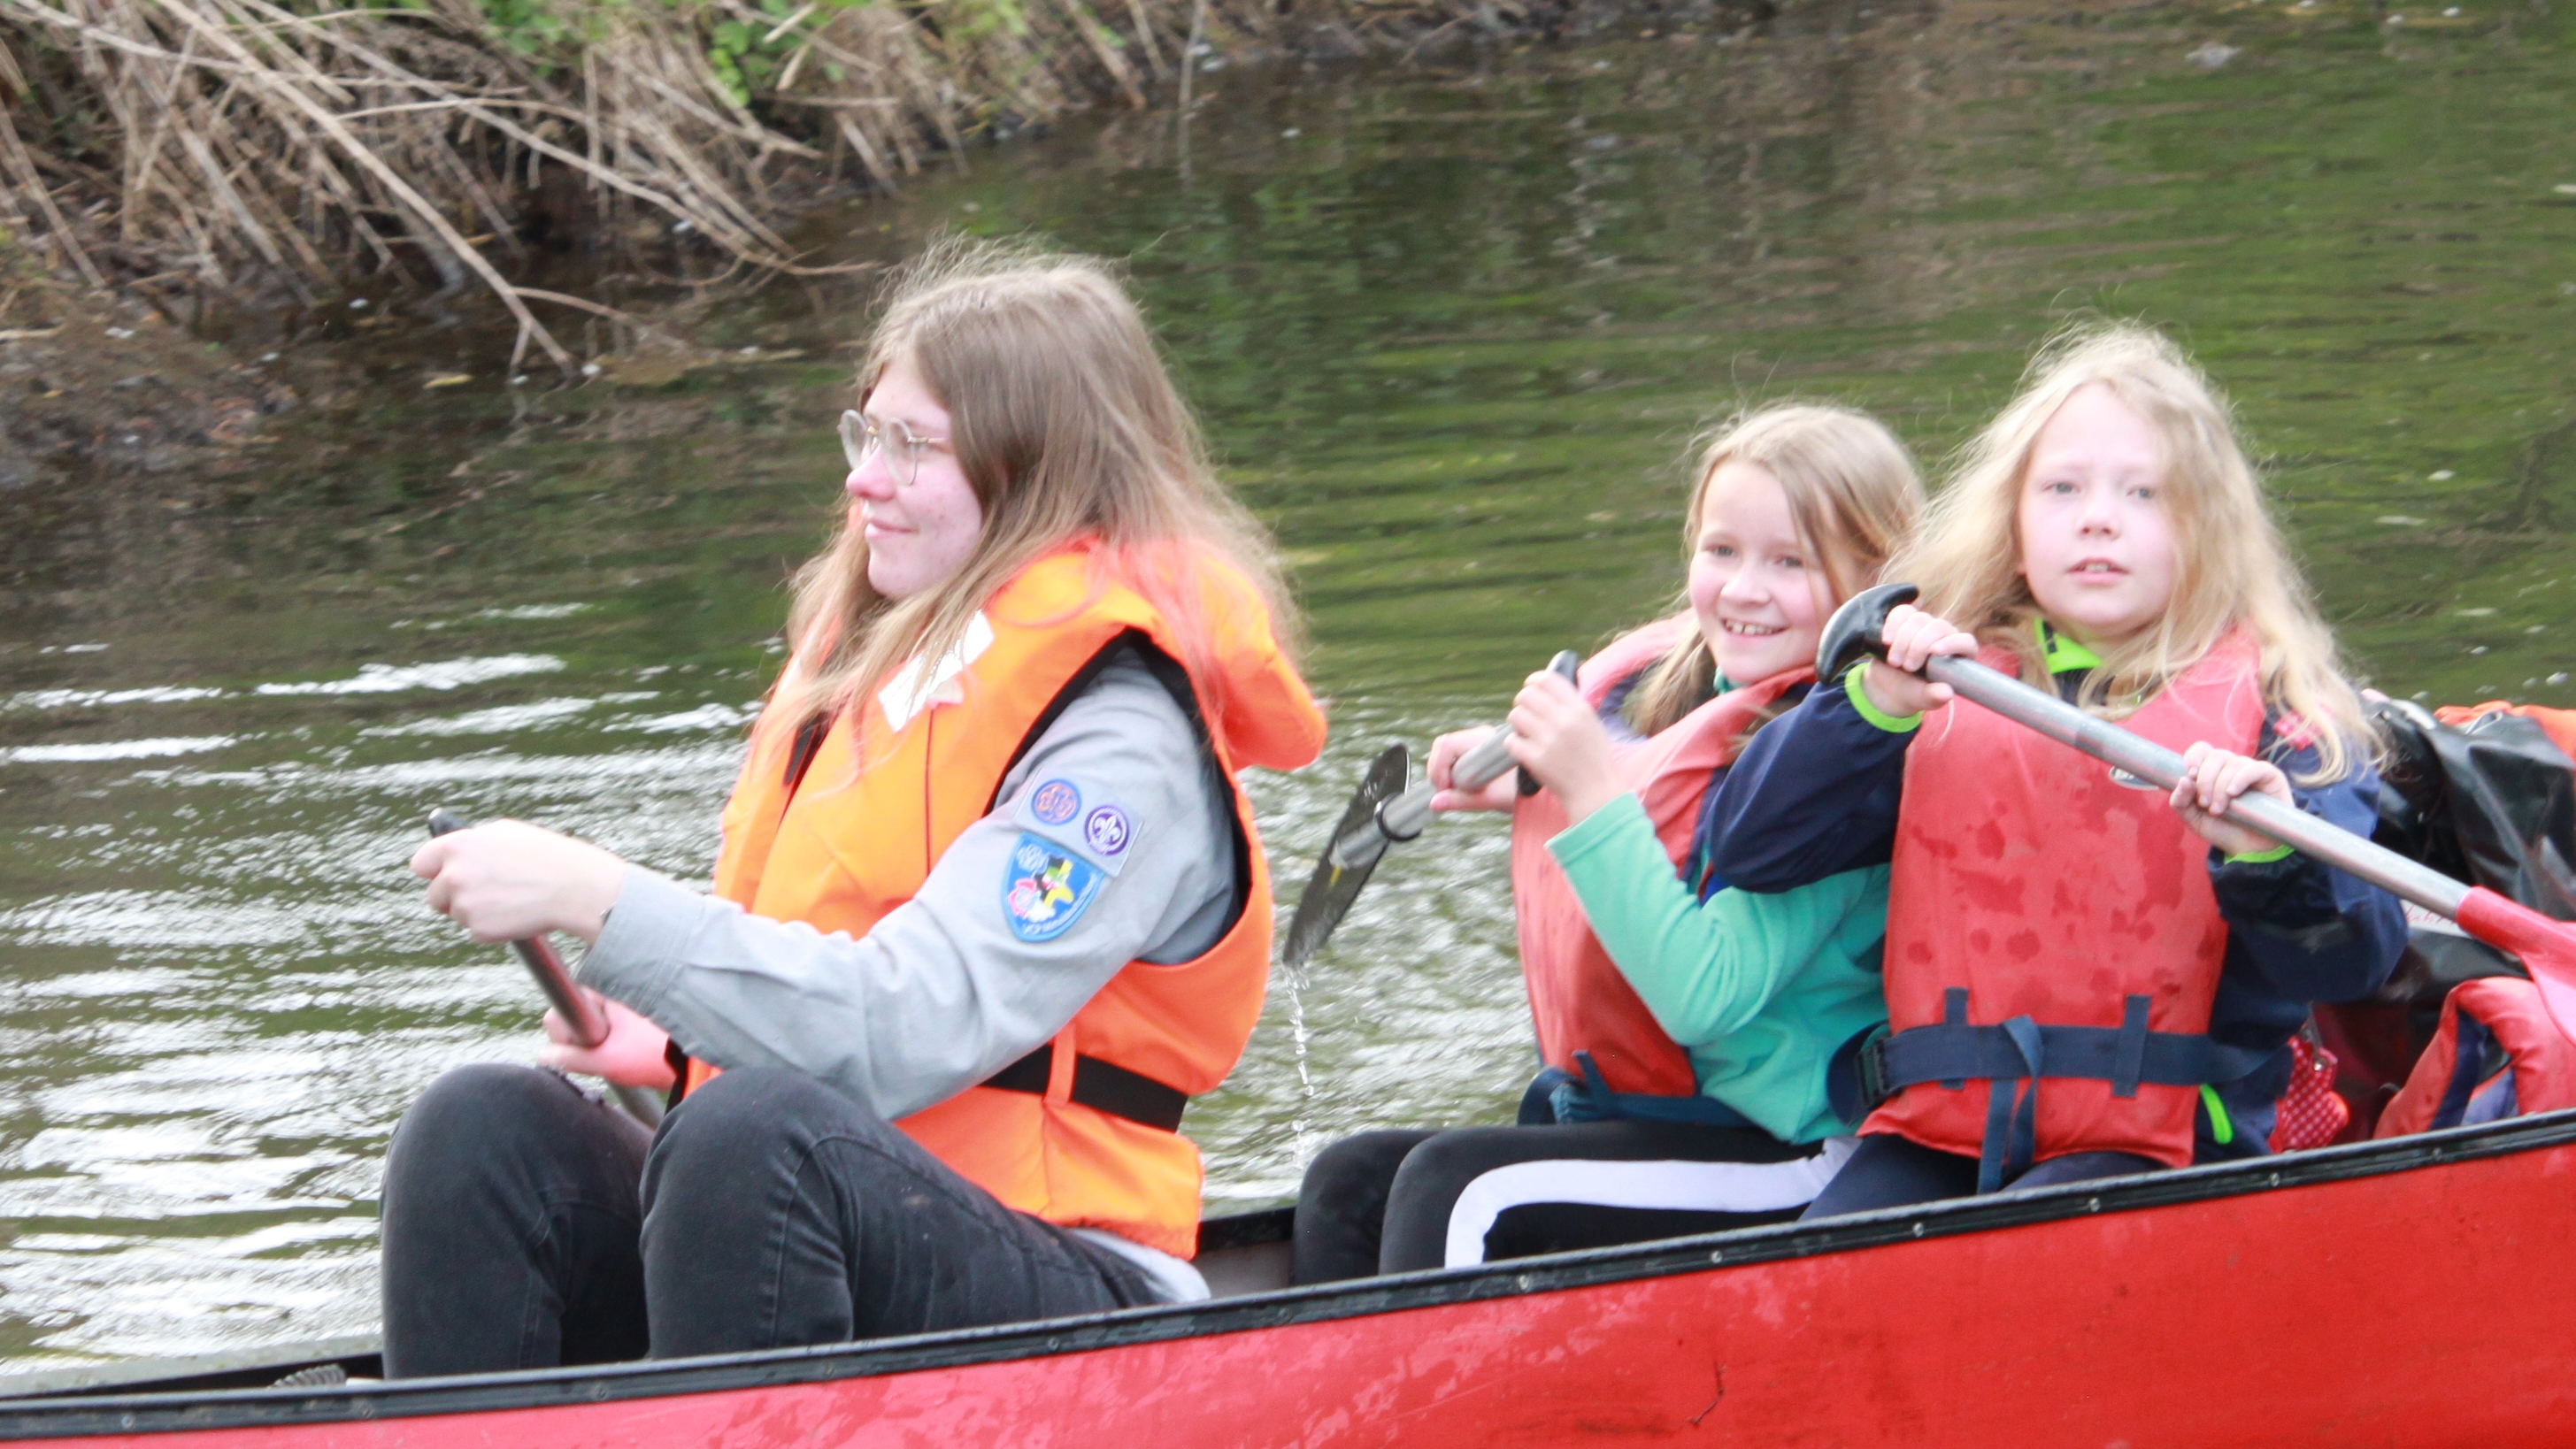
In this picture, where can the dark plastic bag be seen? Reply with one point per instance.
(2491, 803)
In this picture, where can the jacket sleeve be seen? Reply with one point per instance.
(1814, 795)
(2308, 930)
(1704, 968)
(949, 987)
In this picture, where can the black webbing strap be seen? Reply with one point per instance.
(1101, 1086)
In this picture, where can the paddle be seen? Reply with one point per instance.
(588, 1023)
(1378, 816)
(2547, 947)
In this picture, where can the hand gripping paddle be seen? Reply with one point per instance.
(2547, 948)
(1382, 813)
(588, 1023)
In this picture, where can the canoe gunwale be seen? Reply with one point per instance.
(89, 1414)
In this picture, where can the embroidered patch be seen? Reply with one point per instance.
(1046, 889)
(1105, 830)
(1054, 802)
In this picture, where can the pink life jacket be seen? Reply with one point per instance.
(1577, 996)
(2496, 1054)
(2047, 919)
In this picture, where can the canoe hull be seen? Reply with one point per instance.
(2400, 1293)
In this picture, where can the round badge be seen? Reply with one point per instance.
(1106, 829)
(1055, 802)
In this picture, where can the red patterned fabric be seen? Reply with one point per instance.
(2310, 1111)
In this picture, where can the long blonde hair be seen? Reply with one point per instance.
(2232, 567)
(1066, 426)
(1852, 492)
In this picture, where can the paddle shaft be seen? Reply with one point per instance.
(581, 1016)
(2263, 814)
(1409, 814)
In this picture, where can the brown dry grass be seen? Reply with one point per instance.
(235, 146)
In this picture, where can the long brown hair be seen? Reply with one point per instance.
(2232, 566)
(1067, 427)
(1852, 492)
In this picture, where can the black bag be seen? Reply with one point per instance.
(2490, 803)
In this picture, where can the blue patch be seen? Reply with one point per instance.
(1055, 802)
(1046, 888)
(1106, 830)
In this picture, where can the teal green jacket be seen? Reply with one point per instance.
(1759, 989)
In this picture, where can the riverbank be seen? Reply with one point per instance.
(231, 157)
(199, 188)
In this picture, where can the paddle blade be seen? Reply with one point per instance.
(1340, 874)
(2547, 948)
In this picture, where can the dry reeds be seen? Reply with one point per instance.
(248, 143)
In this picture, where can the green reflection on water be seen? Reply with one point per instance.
(1452, 337)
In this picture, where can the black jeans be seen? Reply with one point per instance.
(1380, 1202)
(1889, 1171)
(526, 1225)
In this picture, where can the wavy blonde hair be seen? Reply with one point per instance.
(2232, 566)
(1067, 426)
(1852, 492)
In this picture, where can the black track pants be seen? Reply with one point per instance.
(526, 1226)
(1393, 1201)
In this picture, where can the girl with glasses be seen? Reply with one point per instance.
(990, 906)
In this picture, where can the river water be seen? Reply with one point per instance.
(1452, 323)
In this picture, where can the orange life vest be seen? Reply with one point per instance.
(1577, 996)
(878, 805)
(2032, 893)
(2558, 724)
(2496, 1016)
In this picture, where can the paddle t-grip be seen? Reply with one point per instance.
(1858, 630)
(1408, 814)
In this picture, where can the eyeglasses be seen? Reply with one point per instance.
(904, 449)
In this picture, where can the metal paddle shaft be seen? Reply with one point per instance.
(1409, 814)
(2272, 818)
(581, 1016)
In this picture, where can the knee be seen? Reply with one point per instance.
(480, 1111)
(482, 1128)
(750, 1114)
(1357, 1167)
(1446, 1163)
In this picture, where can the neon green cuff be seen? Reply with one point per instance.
(1893, 724)
(2260, 857)
(2221, 1130)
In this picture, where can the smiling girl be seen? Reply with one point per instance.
(1690, 1031)
(989, 906)
(2142, 955)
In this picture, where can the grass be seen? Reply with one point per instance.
(281, 150)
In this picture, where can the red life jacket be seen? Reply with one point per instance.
(1578, 999)
(2046, 921)
(2496, 1054)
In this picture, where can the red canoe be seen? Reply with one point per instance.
(2415, 1291)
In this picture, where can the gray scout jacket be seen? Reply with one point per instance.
(951, 987)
